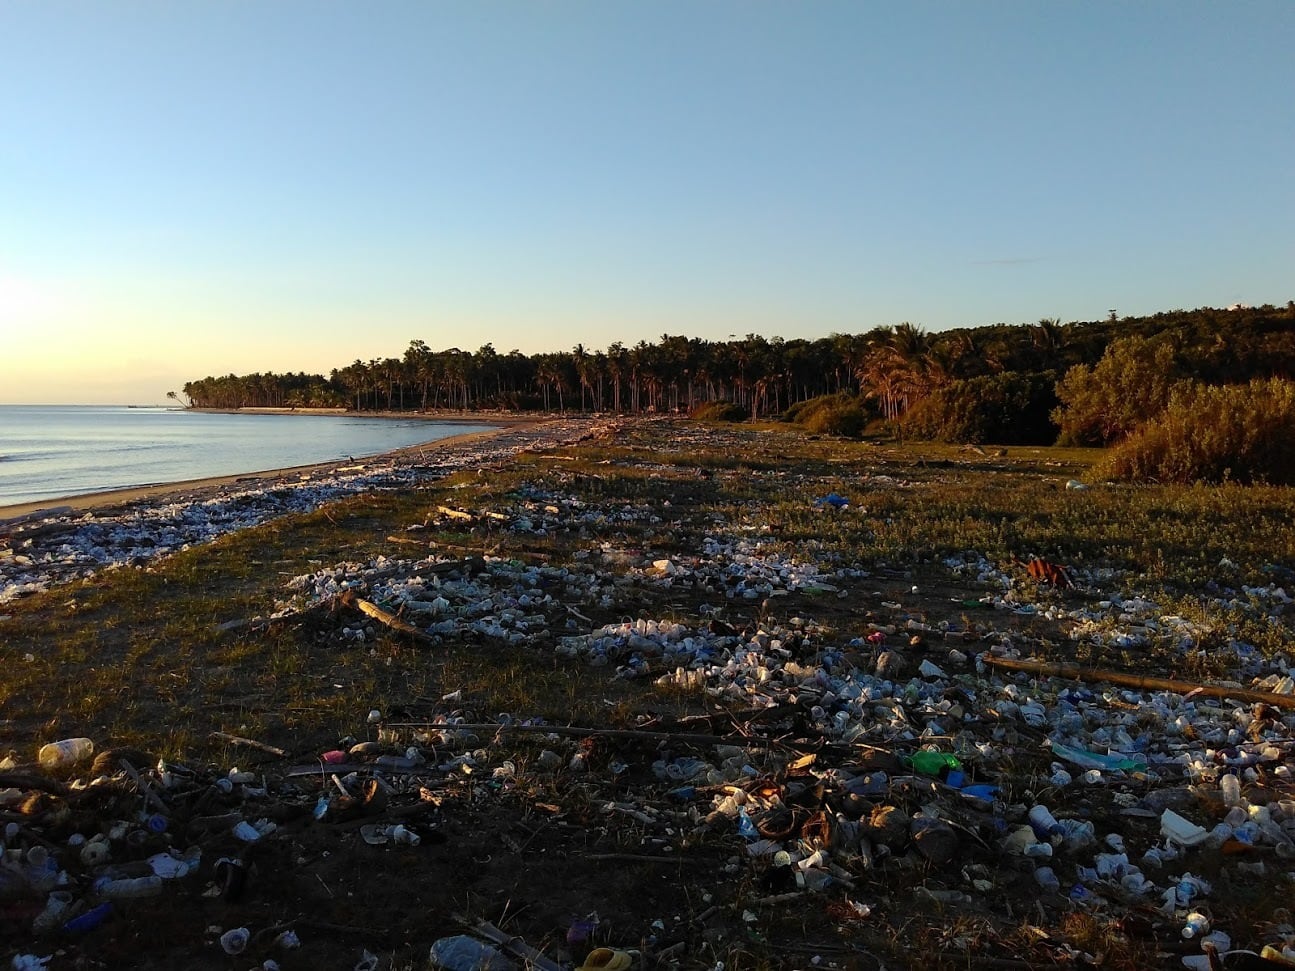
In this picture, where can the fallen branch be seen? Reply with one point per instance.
(145, 789)
(23, 780)
(495, 550)
(641, 858)
(349, 598)
(515, 946)
(249, 743)
(406, 541)
(1058, 669)
(685, 737)
(345, 768)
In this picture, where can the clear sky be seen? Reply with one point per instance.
(201, 188)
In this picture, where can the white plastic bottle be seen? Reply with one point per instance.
(1045, 825)
(64, 753)
(1230, 787)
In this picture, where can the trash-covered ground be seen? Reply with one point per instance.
(39, 552)
(823, 742)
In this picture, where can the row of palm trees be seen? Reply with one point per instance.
(893, 366)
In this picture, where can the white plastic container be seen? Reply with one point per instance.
(65, 753)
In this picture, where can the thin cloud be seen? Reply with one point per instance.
(1017, 261)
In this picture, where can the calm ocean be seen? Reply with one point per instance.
(49, 451)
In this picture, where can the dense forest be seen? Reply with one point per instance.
(999, 383)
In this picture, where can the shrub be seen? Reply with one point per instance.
(719, 411)
(1214, 433)
(1104, 403)
(830, 414)
(844, 420)
(1013, 408)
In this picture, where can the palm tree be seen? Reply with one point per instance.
(617, 364)
(580, 358)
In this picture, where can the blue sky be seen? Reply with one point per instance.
(198, 188)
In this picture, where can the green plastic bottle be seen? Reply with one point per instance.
(932, 763)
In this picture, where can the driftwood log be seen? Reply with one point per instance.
(1076, 672)
(348, 598)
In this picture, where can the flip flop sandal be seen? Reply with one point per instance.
(607, 959)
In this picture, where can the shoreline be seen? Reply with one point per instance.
(16, 514)
(442, 416)
(46, 546)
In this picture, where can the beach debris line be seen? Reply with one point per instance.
(57, 545)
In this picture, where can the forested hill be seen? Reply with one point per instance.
(892, 368)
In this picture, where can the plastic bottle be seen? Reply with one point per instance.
(1230, 786)
(235, 941)
(815, 880)
(932, 763)
(463, 953)
(54, 914)
(96, 852)
(1047, 879)
(127, 887)
(88, 921)
(1197, 924)
(1045, 825)
(399, 834)
(65, 753)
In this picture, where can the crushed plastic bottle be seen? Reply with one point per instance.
(464, 953)
(1086, 759)
(128, 887)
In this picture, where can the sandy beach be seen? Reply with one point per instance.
(105, 501)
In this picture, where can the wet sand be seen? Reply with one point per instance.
(198, 488)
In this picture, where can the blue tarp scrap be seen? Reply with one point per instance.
(833, 500)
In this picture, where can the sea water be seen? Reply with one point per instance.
(49, 451)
